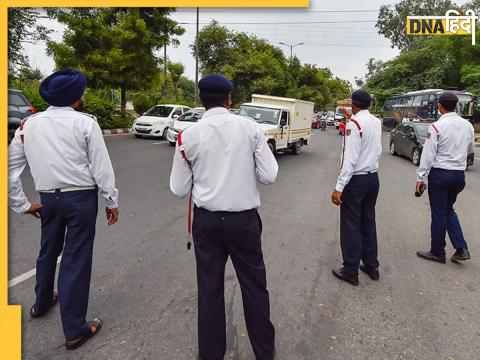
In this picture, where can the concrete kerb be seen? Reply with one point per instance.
(117, 131)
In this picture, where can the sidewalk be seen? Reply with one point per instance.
(117, 131)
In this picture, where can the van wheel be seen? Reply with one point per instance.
(416, 157)
(164, 135)
(271, 145)
(137, 136)
(297, 147)
(172, 143)
(392, 149)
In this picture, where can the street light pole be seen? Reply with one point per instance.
(291, 46)
(196, 61)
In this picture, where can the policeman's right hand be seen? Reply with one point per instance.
(112, 215)
(346, 113)
(34, 210)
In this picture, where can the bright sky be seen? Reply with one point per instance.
(339, 35)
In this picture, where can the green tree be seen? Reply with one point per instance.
(115, 47)
(23, 28)
(255, 66)
(175, 71)
(392, 19)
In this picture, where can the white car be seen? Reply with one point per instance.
(338, 118)
(183, 122)
(156, 121)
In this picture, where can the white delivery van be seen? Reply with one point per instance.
(285, 121)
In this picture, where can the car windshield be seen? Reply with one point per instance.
(192, 115)
(422, 129)
(160, 111)
(260, 114)
(465, 106)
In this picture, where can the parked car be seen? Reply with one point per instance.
(183, 122)
(19, 107)
(407, 139)
(156, 121)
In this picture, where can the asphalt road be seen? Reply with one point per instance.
(144, 287)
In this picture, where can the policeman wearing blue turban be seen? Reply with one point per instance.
(219, 161)
(70, 166)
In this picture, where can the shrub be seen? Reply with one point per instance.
(99, 104)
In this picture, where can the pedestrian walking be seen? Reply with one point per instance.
(69, 163)
(219, 161)
(357, 189)
(444, 159)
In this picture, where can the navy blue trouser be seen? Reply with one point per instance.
(68, 223)
(358, 231)
(216, 235)
(443, 188)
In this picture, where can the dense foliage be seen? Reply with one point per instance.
(256, 66)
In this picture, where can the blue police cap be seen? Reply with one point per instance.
(63, 88)
(361, 96)
(447, 97)
(215, 83)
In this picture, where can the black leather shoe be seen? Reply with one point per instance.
(340, 274)
(372, 272)
(461, 255)
(429, 256)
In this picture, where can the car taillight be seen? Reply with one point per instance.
(32, 109)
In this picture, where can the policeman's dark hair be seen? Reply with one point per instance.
(212, 99)
(364, 105)
(449, 105)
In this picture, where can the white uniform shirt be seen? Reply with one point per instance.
(361, 147)
(228, 154)
(449, 141)
(63, 148)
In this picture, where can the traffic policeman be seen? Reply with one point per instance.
(444, 159)
(357, 190)
(219, 160)
(69, 163)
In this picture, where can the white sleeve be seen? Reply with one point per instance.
(266, 166)
(428, 153)
(101, 167)
(16, 164)
(352, 144)
(181, 177)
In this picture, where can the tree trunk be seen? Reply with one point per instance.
(123, 101)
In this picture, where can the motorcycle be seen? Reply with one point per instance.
(323, 125)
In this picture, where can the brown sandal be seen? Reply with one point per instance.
(33, 312)
(95, 327)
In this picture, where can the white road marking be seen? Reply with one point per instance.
(477, 158)
(21, 278)
(160, 142)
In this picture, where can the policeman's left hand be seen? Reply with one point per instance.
(336, 197)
